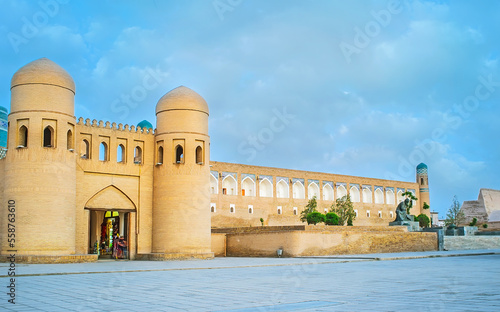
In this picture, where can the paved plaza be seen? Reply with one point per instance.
(432, 281)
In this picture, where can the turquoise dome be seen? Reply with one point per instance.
(422, 166)
(145, 125)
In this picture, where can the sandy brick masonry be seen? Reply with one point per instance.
(323, 240)
(65, 175)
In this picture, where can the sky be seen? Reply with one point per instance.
(363, 88)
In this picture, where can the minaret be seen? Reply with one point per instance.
(40, 168)
(3, 127)
(423, 183)
(181, 194)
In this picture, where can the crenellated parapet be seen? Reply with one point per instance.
(114, 126)
(105, 147)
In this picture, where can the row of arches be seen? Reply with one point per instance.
(48, 138)
(248, 188)
(104, 152)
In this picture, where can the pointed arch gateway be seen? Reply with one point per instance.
(111, 212)
(110, 198)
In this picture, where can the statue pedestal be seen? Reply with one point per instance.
(413, 226)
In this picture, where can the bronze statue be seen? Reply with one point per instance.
(401, 211)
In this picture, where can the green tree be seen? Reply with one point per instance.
(473, 222)
(411, 197)
(331, 218)
(454, 216)
(315, 217)
(344, 209)
(310, 207)
(426, 206)
(423, 220)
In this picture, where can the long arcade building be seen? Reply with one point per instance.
(75, 184)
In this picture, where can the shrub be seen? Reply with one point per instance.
(310, 207)
(485, 225)
(331, 218)
(344, 209)
(315, 217)
(473, 222)
(349, 221)
(423, 220)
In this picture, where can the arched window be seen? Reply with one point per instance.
(199, 155)
(265, 188)
(160, 155)
(247, 187)
(400, 196)
(137, 155)
(120, 153)
(250, 209)
(69, 140)
(23, 137)
(103, 151)
(379, 196)
(299, 190)
(214, 185)
(85, 148)
(48, 137)
(327, 192)
(354, 192)
(341, 191)
(179, 155)
(313, 190)
(229, 185)
(389, 195)
(282, 189)
(367, 195)
(279, 210)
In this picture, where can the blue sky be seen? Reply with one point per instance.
(365, 88)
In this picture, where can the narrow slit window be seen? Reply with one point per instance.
(23, 137)
(69, 140)
(137, 155)
(179, 155)
(199, 155)
(103, 151)
(48, 137)
(160, 155)
(120, 154)
(85, 149)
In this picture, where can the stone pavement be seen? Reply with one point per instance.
(427, 281)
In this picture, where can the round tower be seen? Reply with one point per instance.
(181, 194)
(40, 169)
(423, 183)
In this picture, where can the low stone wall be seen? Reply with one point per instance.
(471, 242)
(259, 229)
(50, 259)
(325, 240)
